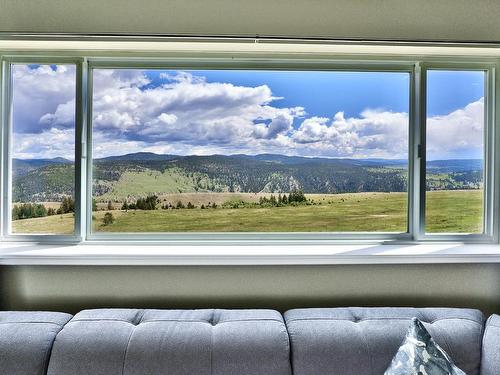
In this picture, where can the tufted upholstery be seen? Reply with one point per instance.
(172, 342)
(26, 340)
(362, 341)
(336, 341)
(490, 361)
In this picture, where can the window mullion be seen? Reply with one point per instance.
(80, 148)
(494, 154)
(2, 171)
(417, 153)
(6, 101)
(88, 149)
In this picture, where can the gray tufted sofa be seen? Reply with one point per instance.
(334, 341)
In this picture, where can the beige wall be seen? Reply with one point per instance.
(70, 289)
(74, 288)
(461, 20)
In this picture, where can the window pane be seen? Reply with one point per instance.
(455, 151)
(249, 151)
(43, 149)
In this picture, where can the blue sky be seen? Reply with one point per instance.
(320, 93)
(329, 114)
(326, 93)
(448, 91)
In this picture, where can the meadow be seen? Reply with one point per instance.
(455, 211)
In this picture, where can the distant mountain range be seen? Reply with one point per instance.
(139, 174)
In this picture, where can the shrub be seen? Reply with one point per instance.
(108, 218)
(237, 203)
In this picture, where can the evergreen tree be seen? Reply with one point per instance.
(272, 200)
(67, 206)
(297, 196)
(28, 211)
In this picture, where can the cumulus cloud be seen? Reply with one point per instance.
(459, 134)
(186, 108)
(185, 114)
(50, 143)
(43, 97)
(374, 134)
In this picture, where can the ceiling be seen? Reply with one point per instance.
(420, 20)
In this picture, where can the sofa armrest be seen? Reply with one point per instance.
(26, 339)
(490, 358)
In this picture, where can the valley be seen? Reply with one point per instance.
(243, 193)
(449, 211)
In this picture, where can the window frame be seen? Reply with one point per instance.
(242, 64)
(414, 65)
(6, 146)
(489, 176)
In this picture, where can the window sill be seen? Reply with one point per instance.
(115, 254)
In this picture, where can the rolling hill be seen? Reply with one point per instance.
(140, 174)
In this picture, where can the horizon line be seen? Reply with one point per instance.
(243, 154)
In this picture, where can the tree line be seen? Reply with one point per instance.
(151, 202)
(33, 210)
(296, 196)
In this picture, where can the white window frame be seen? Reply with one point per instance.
(6, 147)
(489, 215)
(416, 66)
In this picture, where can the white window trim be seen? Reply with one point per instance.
(292, 54)
(146, 254)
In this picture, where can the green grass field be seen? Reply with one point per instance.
(448, 212)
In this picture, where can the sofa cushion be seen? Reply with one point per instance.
(26, 340)
(490, 361)
(360, 341)
(172, 342)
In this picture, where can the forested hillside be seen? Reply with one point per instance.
(139, 174)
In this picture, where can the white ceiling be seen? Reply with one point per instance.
(445, 20)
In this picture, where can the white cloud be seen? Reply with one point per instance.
(188, 109)
(43, 97)
(186, 114)
(48, 144)
(459, 134)
(374, 134)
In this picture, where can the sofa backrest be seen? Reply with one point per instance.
(362, 341)
(245, 342)
(172, 342)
